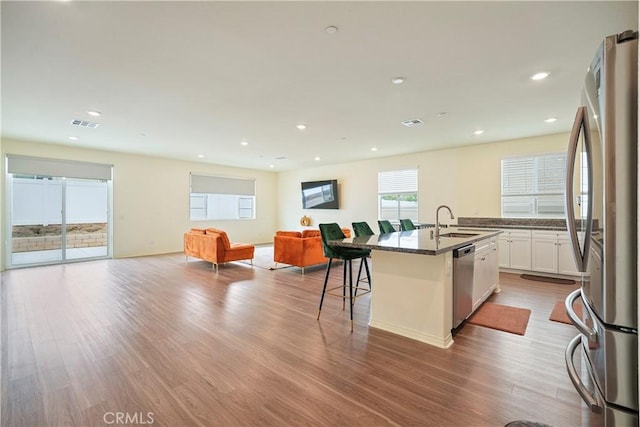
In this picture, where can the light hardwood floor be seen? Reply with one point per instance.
(155, 339)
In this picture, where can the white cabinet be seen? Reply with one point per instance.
(551, 252)
(514, 247)
(566, 260)
(485, 270)
(544, 251)
(504, 253)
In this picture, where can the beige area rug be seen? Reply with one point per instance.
(559, 314)
(501, 317)
(263, 258)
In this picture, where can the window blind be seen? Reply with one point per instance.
(19, 165)
(533, 186)
(551, 173)
(517, 176)
(222, 185)
(534, 174)
(401, 181)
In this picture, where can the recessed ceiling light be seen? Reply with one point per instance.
(200, 156)
(74, 138)
(331, 29)
(244, 143)
(550, 120)
(94, 113)
(317, 158)
(397, 80)
(271, 166)
(374, 149)
(301, 126)
(540, 76)
(478, 132)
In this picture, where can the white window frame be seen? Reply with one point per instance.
(532, 186)
(213, 197)
(401, 184)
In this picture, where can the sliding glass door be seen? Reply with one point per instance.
(86, 214)
(36, 220)
(56, 219)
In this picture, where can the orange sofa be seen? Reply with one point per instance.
(213, 245)
(300, 248)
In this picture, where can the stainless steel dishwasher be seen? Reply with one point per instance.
(463, 261)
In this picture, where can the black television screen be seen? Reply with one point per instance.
(320, 194)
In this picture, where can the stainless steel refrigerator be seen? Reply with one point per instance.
(601, 204)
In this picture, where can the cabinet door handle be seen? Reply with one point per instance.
(483, 258)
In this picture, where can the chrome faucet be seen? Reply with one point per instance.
(438, 221)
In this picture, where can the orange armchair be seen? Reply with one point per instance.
(213, 245)
(300, 249)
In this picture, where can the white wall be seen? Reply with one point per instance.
(465, 178)
(151, 198)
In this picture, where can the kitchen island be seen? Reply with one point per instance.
(412, 280)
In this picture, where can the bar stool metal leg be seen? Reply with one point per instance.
(350, 294)
(324, 287)
(366, 267)
(344, 283)
(363, 261)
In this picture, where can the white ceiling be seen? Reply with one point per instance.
(178, 79)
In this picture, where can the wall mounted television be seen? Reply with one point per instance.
(320, 194)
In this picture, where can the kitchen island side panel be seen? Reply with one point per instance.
(412, 295)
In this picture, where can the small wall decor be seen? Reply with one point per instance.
(305, 221)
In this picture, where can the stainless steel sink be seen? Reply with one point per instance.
(457, 234)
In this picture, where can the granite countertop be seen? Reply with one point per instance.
(516, 227)
(417, 241)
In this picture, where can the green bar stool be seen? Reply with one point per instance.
(362, 229)
(406, 225)
(333, 231)
(385, 226)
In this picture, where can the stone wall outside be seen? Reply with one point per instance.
(43, 243)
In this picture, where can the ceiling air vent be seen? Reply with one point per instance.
(84, 123)
(412, 122)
